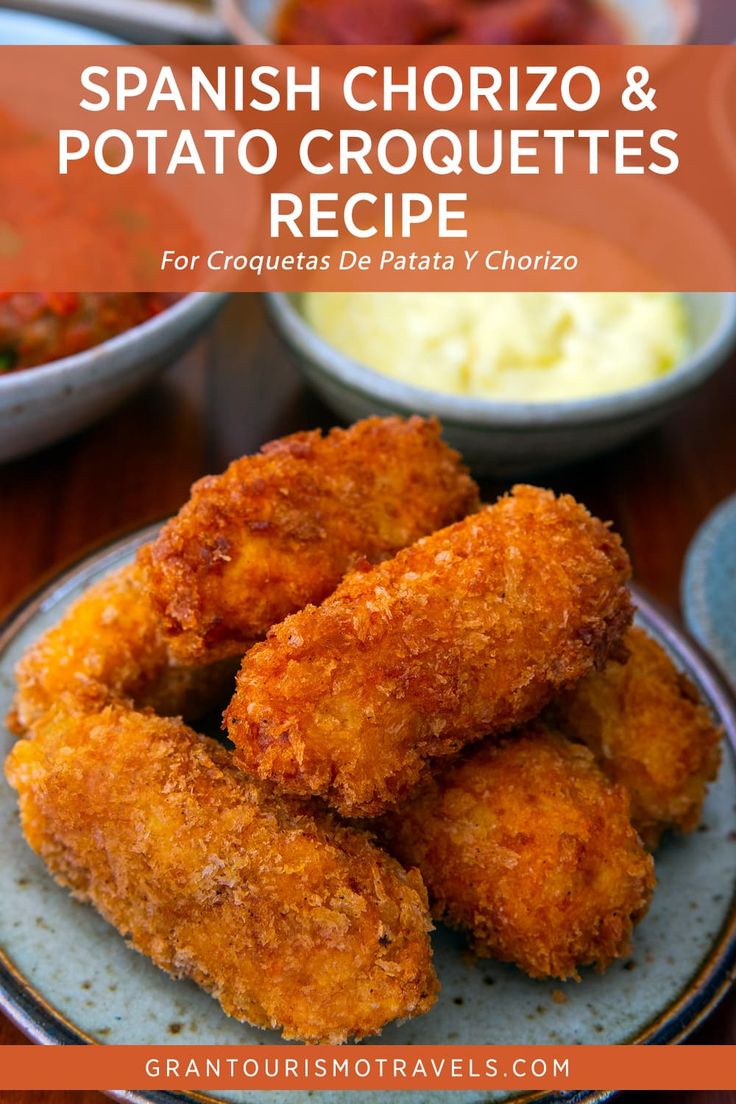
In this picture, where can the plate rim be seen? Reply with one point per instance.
(43, 1024)
(693, 583)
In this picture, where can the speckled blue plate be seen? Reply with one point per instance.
(67, 977)
(709, 587)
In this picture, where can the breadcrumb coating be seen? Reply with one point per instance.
(290, 920)
(281, 528)
(645, 723)
(528, 846)
(110, 645)
(469, 632)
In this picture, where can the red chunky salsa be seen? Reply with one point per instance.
(35, 328)
(483, 22)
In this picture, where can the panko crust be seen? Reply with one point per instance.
(110, 645)
(527, 846)
(469, 632)
(281, 528)
(290, 920)
(645, 723)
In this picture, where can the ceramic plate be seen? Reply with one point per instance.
(66, 976)
(709, 587)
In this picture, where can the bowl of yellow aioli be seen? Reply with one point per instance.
(522, 381)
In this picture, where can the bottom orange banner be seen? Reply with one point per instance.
(368, 1067)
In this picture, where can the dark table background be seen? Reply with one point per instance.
(238, 388)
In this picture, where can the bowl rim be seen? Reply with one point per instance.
(461, 410)
(55, 370)
(42, 1023)
(687, 14)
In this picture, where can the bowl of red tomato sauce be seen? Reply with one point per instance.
(477, 22)
(67, 359)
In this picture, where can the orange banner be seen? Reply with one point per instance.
(365, 168)
(369, 1067)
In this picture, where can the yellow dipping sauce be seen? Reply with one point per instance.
(514, 346)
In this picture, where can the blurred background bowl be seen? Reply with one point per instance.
(515, 438)
(651, 22)
(151, 21)
(722, 108)
(41, 405)
(23, 28)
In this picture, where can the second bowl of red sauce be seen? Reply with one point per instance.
(422, 22)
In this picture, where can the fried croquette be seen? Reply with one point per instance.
(281, 528)
(110, 645)
(529, 847)
(644, 722)
(290, 920)
(469, 632)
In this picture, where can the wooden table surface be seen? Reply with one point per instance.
(238, 388)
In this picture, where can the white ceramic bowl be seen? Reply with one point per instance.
(652, 22)
(41, 405)
(514, 438)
